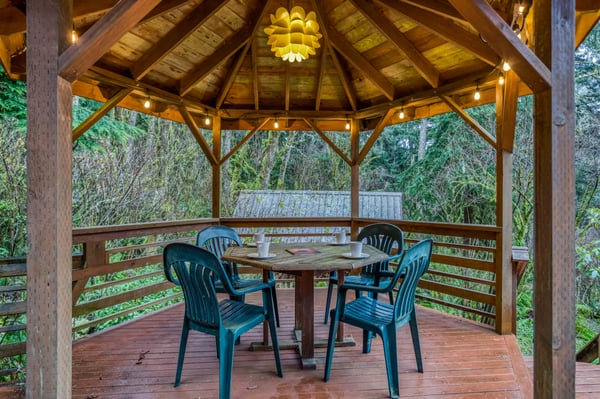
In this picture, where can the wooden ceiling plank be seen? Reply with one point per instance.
(414, 56)
(175, 37)
(255, 76)
(165, 7)
(444, 28)
(320, 78)
(361, 63)
(93, 44)
(327, 140)
(231, 75)
(100, 112)
(470, 120)
(286, 87)
(343, 74)
(244, 140)
(220, 55)
(522, 60)
(383, 122)
(586, 5)
(197, 133)
(12, 21)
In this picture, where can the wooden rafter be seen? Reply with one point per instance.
(319, 9)
(522, 60)
(100, 112)
(244, 140)
(444, 28)
(438, 7)
(220, 55)
(231, 74)
(320, 79)
(327, 140)
(383, 122)
(175, 37)
(413, 55)
(255, 76)
(361, 63)
(185, 114)
(286, 87)
(100, 37)
(470, 120)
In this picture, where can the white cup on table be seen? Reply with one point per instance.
(263, 248)
(259, 237)
(340, 237)
(356, 248)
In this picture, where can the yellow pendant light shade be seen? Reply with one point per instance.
(293, 35)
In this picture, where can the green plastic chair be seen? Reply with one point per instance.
(383, 236)
(376, 317)
(216, 239)
(196, 270)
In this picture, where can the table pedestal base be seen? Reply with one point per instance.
(307, 363)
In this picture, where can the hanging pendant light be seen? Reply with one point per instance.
(293, 35)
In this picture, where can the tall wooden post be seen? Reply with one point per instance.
(49, 158)
(216, 168)
(554, 344)
(504, 182)
(354, 174)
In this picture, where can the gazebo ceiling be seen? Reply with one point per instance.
(212, 57)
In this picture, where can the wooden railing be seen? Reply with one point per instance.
(117, 271)
(590, 352)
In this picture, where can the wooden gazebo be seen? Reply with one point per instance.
(208, 64)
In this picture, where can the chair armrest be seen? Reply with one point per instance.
(368, 288)
(258, 287)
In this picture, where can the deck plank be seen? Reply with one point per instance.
(461, 360)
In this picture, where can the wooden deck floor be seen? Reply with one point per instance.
(138, 360)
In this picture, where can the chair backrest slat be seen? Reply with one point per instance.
(413, 265)
(216, 239)
(195, 269)
(385, 237)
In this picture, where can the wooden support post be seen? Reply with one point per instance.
(216, 168)
(354, 175)
(504, 289)
(49, 160)
(554, 172)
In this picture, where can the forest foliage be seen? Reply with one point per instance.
(133, 167)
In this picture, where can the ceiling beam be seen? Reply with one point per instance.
(231, 75)
(383, 122)
(286, 87)
(438, 7)
(255, 93)
(197, 133)
(319, 87)
(327, 140)
(447, 30)
(354, 57)
(175, 37)
(100, 112)
(508, 104)
(470, 120)
(389, 30)
(522, 60)
(586, 5)
(94, 43)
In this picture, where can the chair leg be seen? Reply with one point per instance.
(390, 351)
(331, 344)
(328, 300)
(275, 343)
(367, 336)
(414, 332)
(275, 306)
(226, 349)
(182, 345)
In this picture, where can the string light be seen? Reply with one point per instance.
(147, 103)
(207, 120)
(477, 94)
(74, 36)
(401, 115)
(276, 124)
(501, 79)
(506, 66)
(347, 124)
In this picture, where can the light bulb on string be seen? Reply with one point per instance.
(501, 79)
(207, 120)
(506, 66)
(347, 124)
(147, 103)
(477, 94)
(74, 36)
(276, 124)
(401, 114)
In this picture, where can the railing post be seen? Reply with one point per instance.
(520, 260)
